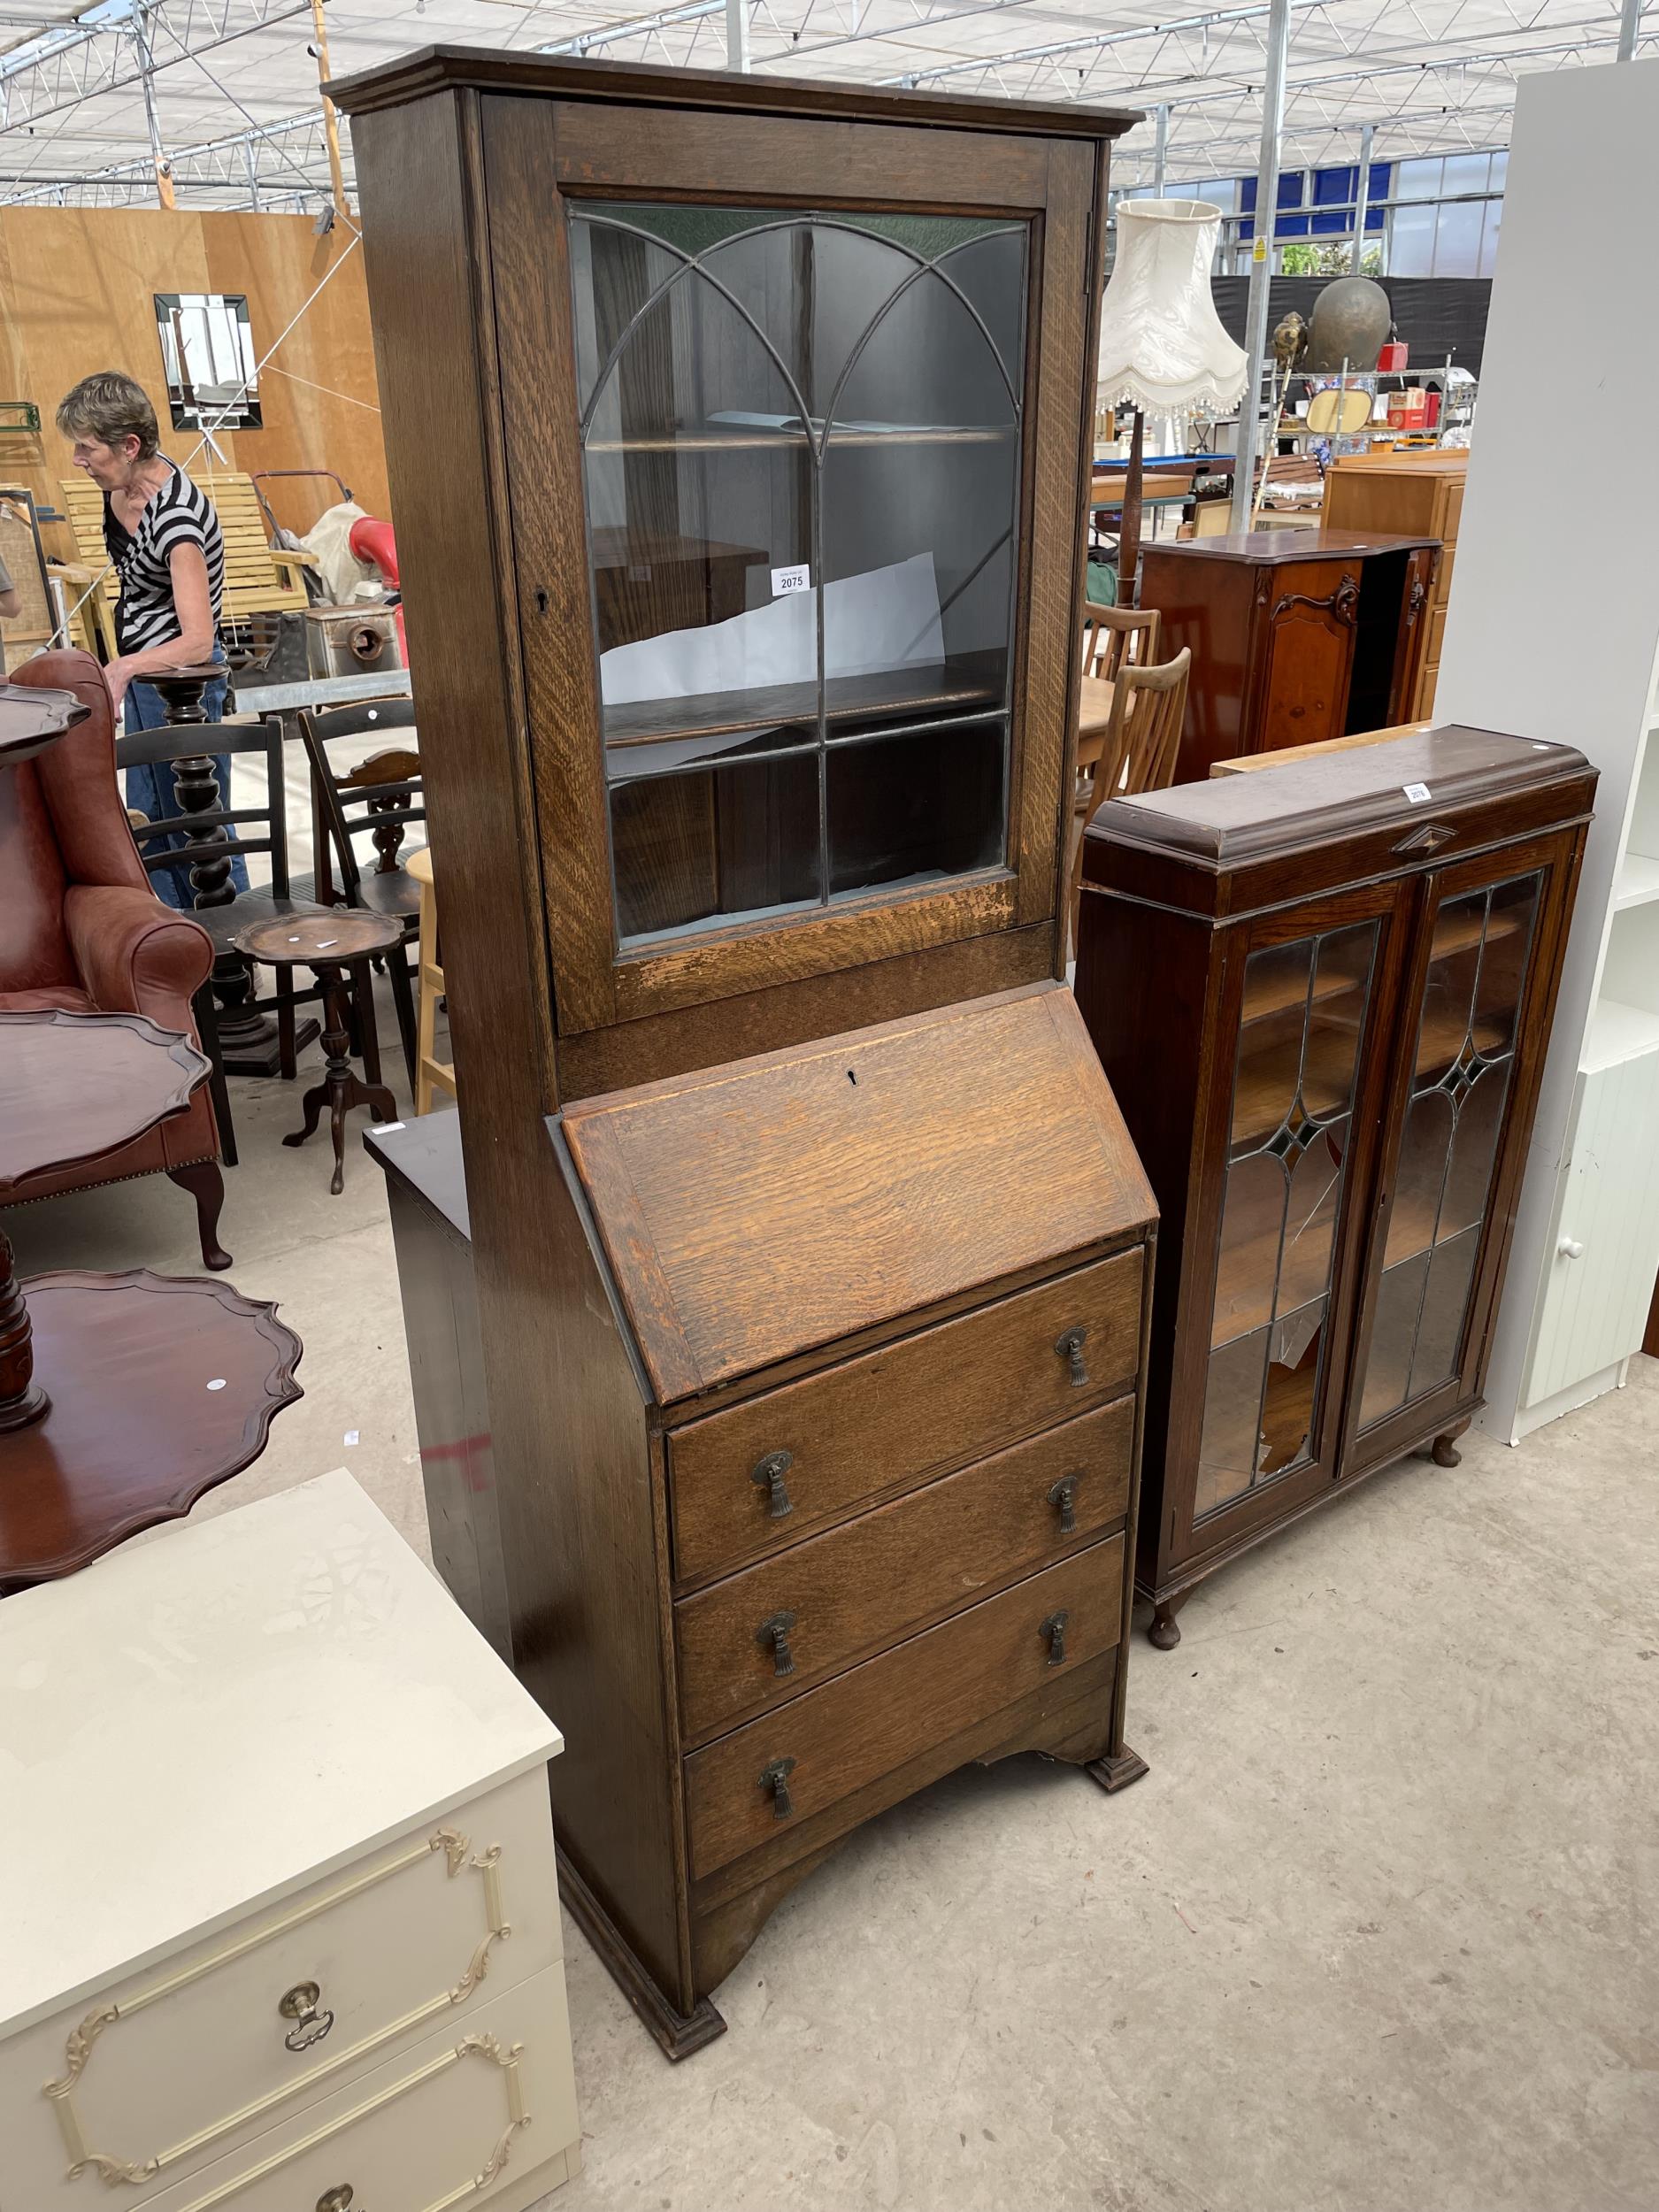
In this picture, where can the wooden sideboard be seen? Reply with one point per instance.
(1323, 994)
(810, 1253)
(1409, 492)
(1296, 636)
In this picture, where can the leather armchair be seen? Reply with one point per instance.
(80, 928)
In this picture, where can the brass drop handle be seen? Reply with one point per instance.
(1070, 1346)
(336, 2200)
(1063, 1494)
(768, 1476)
(1054, 1629)
(303, 2004)
(773, 1635)
(775, 1778)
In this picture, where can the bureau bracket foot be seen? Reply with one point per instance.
(1117, 1773)
(1164, 1632)
(678, 2033)
(1443, 1451)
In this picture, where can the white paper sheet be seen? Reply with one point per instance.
(886, 618)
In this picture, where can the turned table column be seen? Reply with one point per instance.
(249, 1041)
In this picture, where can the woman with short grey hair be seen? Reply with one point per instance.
(163, 539)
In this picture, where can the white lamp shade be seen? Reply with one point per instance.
(1162, 345)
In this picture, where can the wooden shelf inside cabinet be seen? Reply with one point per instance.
(895, 696)
(784, 439)
(1305, 1245)
(1617, 1032)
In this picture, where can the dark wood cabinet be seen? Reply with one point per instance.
(811, 1260)
(1296, 635)
(1322, 994)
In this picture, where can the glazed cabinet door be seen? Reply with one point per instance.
(1303, 999)
(1474, 1016)
(1310, 655)
(794, 515)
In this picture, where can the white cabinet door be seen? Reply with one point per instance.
(1605, 1250)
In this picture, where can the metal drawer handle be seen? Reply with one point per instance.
(768, 1476)
(303, 2004)
(1429, 839)
(773, 1635)
(776, 1778)
(1054, 1629)
(336, 2200)
(1064, 1495)
(1070, 1346)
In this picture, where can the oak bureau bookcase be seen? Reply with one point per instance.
(739, 432)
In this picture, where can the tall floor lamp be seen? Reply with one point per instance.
(1162, 350)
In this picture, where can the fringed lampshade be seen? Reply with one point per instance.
(1162, 350)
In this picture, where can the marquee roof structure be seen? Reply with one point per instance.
(224, 92)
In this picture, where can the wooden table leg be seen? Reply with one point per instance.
(341, 1088)
(21, 1398)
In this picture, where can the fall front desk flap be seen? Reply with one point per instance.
(753, 1211)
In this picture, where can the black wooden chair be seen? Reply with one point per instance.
(378, 799)
(259, 828)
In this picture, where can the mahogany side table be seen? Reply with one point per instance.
(122, 1397)
(328, 945)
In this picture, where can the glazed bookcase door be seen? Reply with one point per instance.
(1465, 1069)
(1295, 1152)
(798, 444)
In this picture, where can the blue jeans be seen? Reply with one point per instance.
(149, 790)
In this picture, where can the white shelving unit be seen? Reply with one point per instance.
(1553, 632)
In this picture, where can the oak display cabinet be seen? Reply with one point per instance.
(812, 1259)
(1322, 994)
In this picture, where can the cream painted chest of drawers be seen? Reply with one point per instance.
(281, 1927)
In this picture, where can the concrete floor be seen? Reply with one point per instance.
(1376, 1934)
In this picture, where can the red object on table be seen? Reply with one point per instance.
(1393, 355)
(376, 542)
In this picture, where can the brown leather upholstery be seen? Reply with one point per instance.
(79, 926)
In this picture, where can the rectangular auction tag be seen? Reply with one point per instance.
(788, 580)
(1418, 792)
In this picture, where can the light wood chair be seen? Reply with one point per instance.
(1113, 638)
(1138, 750)
(431, 1073)
(259, 578)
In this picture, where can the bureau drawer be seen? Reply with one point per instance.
(799, 1761)
(176, 2065)
(489, 2100)
(916, 1407)
(834, 1600)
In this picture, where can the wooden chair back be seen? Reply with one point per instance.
(1116, 637)
(379, 797)
(431, 1073)
(259, 828)
(1141, 749)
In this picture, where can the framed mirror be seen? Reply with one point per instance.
(207, 353)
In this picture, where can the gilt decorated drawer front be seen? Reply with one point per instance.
(767, 1634)
(178, 2064)
(750, 1480)
(789, 1768)
(464, 2117)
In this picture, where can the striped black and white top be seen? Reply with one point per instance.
(179, 514)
